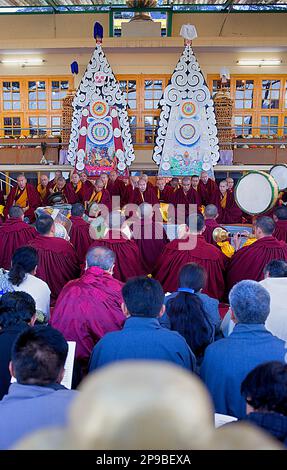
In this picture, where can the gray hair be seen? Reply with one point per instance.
(211, 211)
(250, 302)
(15, 212)
(101, 257)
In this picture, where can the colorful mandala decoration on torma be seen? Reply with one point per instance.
(186, 141)
(100, 138)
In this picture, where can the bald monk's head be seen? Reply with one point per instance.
(45, 225)
(142, 185)
(280, 213)
(230, 183)
(113, 176)
(83, 177)
(77, 210)
(99, 185)
(134, 180)
(58, 174)
(105, 179)
(174, 182)
(44, 180)
(195, 181)
(101, 257)
(16, 212)
(264, 227)
(204, 177)
(210, 212)
(75, 178)
(21, 181)
(223, 186)
(186, 184)
(157, 406)
(61, 182)
(160, 183)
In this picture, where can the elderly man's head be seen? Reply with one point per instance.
(44, 180)
(160, 183)
(210, 212)
(142, 185)
(249, 302)
(61, 182)
(264, 227)
(22, 181)
(204, 177)
(186, 184)
(99, 185)
(75, 178)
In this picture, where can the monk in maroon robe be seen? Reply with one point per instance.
(207, 187)
(87, 187)
(25, 196)
(210, 217)
(228, 211)
(128, 263)
(181, 200)
(230, 184)
(52, 183)
(90, 307)
(115, 186)
(43, 190)
(163, 191)
(130, 188)
(150, 237)
(75, 189)
(144, 194)
(79, 234)
(58, 262)
(191, 249)
(14, 233)
(249, 262)
(100, 195)
(280, 219)
(69, 195)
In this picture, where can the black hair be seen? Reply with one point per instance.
(196, 219)
(15, 212)
(265, 387)
(77, 210)
(16, 308)
(24, 260)
(281, 212)
(276, 268)
(38, 355)
(144, 297)
(44, 224)
(266, 224)
(193, 276)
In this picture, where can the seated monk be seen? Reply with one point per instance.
(87, 187)
(128, 262)
(43, 190)
(228, 211)
(58, 262)
(230, 184)
(150, 237)
(116, 187)
(210, 217)
(14, 233)
(52, 183)
(100, 195)
(249, 262)
(62, 187)
(174, 184)
(75, 189)
(79, 234)
(130, 188)
(191, 248)
(163, 191)
(149, 185)
(90, 307)
(144, 194)
(280, 219)
(206, 187)
(181, 200)
(25, 196)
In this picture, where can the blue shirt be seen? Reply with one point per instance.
(142, 338)
(28, 408)
(227, 362)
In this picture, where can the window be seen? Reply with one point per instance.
(12, 126)
(244, 94)
(38, 125)
(150, 124)
(56, 125)
(285, 125)
(11, 96)
(153, 93)
(270, 94)
(59, 91)
(133, 127)
(129, 89)
(243, 125)
(37, 95)
(269, 125)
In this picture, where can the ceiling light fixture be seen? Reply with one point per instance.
(259, 62)
(22, 61)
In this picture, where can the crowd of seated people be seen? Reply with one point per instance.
(123, 291)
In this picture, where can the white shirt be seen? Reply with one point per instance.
(39, 290)
(277, 319)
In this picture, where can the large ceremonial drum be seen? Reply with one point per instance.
(279, 173)
(256, 192)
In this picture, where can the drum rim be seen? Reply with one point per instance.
(266, 176)
(274, 166)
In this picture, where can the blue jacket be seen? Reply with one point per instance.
(28, 408)
(142, 338)
(227, 362)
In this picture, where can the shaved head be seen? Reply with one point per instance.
(211, 211)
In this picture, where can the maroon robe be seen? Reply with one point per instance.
(52, 185)
(173, 259)
(210, 225)
(14, 233)
(148, 196)
(165, 195)
(44, 199)
(79, 237)
(180, 198)
(87, 309)
(34, 201)
(250, 261)
(58, 262)
(280, 231)
(105, 199)
(117, 188)
(87, 191)
(207, 191)
(231, 214)
(151, 238)
(129, 195)
(71, 194)
(128, 262)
